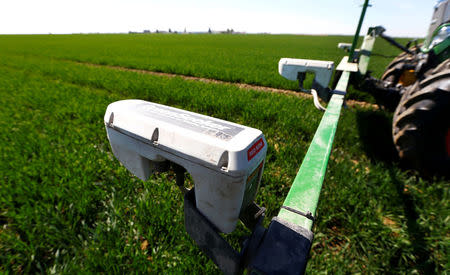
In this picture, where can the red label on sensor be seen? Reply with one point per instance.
(254, 150)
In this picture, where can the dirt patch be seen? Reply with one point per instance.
(144, 245)
(239, 85)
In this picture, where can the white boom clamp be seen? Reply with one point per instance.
(290, 68)
(345, 46)
(296, 69)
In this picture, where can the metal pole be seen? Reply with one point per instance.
(301, 202)
(358, 29)
(285, 246)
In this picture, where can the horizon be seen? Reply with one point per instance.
(175, 32)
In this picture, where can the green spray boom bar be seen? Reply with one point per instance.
(286, 243)
(358, 29)
(303, 196)
(301, 202)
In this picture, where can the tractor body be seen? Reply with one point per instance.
(416, 87)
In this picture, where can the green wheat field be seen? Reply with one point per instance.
(68, 206)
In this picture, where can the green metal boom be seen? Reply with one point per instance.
(358, 29)
(305, 191)
(301, 202)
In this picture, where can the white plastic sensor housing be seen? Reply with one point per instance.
(290, 67)
(225, 159)
(344, 46)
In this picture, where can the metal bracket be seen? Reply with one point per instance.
(344, 65)
(308, 214)
(282, 248)
(207, 238)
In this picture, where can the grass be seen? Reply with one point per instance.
(67, 206)
(249, 59)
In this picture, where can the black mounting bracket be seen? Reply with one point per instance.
(282, 248)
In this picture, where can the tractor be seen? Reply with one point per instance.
(416, 87)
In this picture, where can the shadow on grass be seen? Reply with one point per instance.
(416, 232)
(375, 131)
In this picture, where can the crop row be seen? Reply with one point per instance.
(249, 59)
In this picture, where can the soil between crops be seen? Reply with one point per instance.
(349, 102)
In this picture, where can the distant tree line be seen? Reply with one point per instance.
(228, 31)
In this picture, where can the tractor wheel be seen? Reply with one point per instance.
(421, 124)
(400, 70)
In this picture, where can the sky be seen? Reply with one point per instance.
(401, 18)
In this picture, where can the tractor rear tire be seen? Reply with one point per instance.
(421, 124)
(396, 68)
